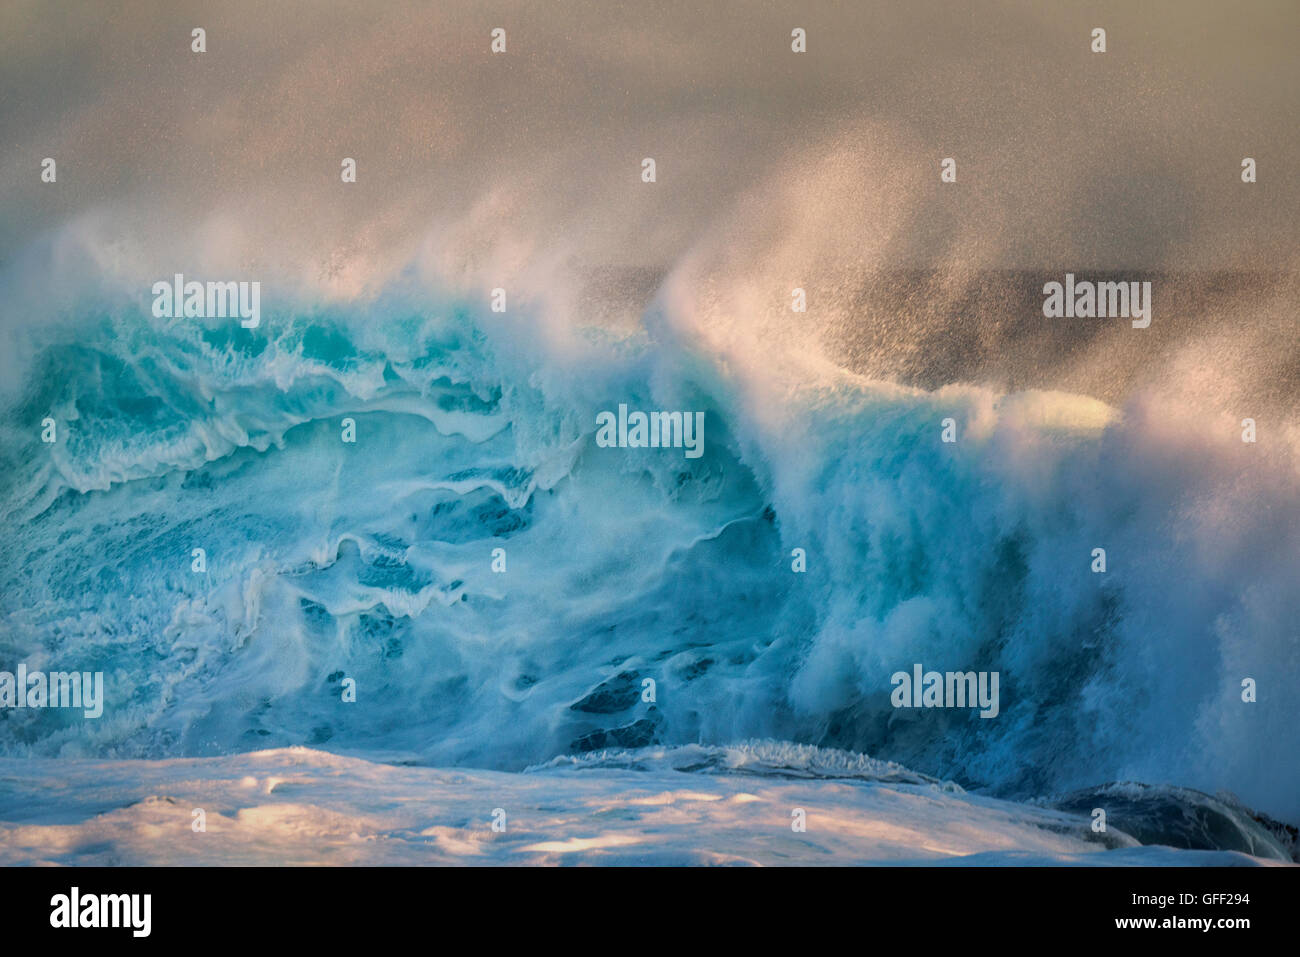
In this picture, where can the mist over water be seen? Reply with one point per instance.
(476, 429)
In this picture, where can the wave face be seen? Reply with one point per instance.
(373, 560)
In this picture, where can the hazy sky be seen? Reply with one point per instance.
(1066, 158)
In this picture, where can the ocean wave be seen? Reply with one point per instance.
(373, 561)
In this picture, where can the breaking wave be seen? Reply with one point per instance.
(373, 560)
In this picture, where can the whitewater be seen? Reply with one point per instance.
(373, 561)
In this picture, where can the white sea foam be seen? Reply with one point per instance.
(298, 806)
